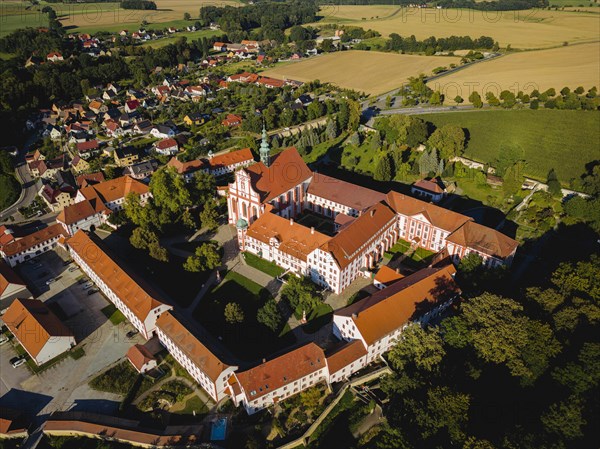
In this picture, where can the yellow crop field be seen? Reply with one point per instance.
(366, 71)
(578, 65)
(521, 29)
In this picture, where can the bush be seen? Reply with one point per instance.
(119, 379)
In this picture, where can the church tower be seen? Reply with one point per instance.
(265, 151)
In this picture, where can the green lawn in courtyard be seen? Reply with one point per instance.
(113, 314)
(263, 265)
(249, 340)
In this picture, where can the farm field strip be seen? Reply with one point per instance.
(521, 29)
(366, 71)
(572, 66)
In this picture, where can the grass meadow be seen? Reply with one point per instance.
(560, 139)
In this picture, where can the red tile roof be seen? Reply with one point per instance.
(115, 189)
(483, 239)
(387, 276)
(80, 211)
(138, 355)
(430, 186)
(285, 369)
(405, 300)
(231, 158)
(185, 167)
(89, 179)
(345, 355)
(346, 244)
(342, 192)
(438, 216)
(135, 294)
(294, 239)
(202, 357)
(38, 237)
(286, 171)
(166, 143)
(82, 147)
(33, 324)
(8, 276)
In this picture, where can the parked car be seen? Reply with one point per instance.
(131, 334)
(67, 262)
(91, 291)
(88, 285)
(73, 268)
(17, 361)
(3, 339)
(82, 281)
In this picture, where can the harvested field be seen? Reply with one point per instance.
(92, 17)
(370, 72)
(521, 29)
(574, 66)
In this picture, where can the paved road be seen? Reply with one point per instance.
(30, 188)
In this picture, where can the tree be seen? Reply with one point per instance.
(475, 99)
(501, 333)
(418, 347)
(508, 155)
(449, 140)
(444, 409)
(142, 238)
(269, 315)
(492, 99)
(436, 98)
(233, 313)
(331, 130)
(169, 190)
(187, 16)
(209, 215)
(206, 257)
(311, 398)
(383, 169)
(327, 46)
(554, 186)
(301, 294)
(565, 419)
(158, 252)
(458, 99)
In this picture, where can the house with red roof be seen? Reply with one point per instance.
(229, 162)
(166, 147)
(131, 106)
(54, 56)
(88, 148)
(232, 120)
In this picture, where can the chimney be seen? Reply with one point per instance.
(398, 270)
(312, 230)
(291, 221)
(372, 212)
(264, 361)
(354, 316)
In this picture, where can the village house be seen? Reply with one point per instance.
(87, 149)
(194, 118)
(57, 198)
(54, 56)
(138, 302)
(232, 120)
(125, 156)
(79, 165)
(166, 147)
(141, 170)
(39, 331)
(162, 131)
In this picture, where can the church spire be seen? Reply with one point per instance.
(265, 150)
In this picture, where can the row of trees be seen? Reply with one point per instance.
(565, 99)
(138, 4)
(432, 44)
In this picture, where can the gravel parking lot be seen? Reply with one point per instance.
(65, 383)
